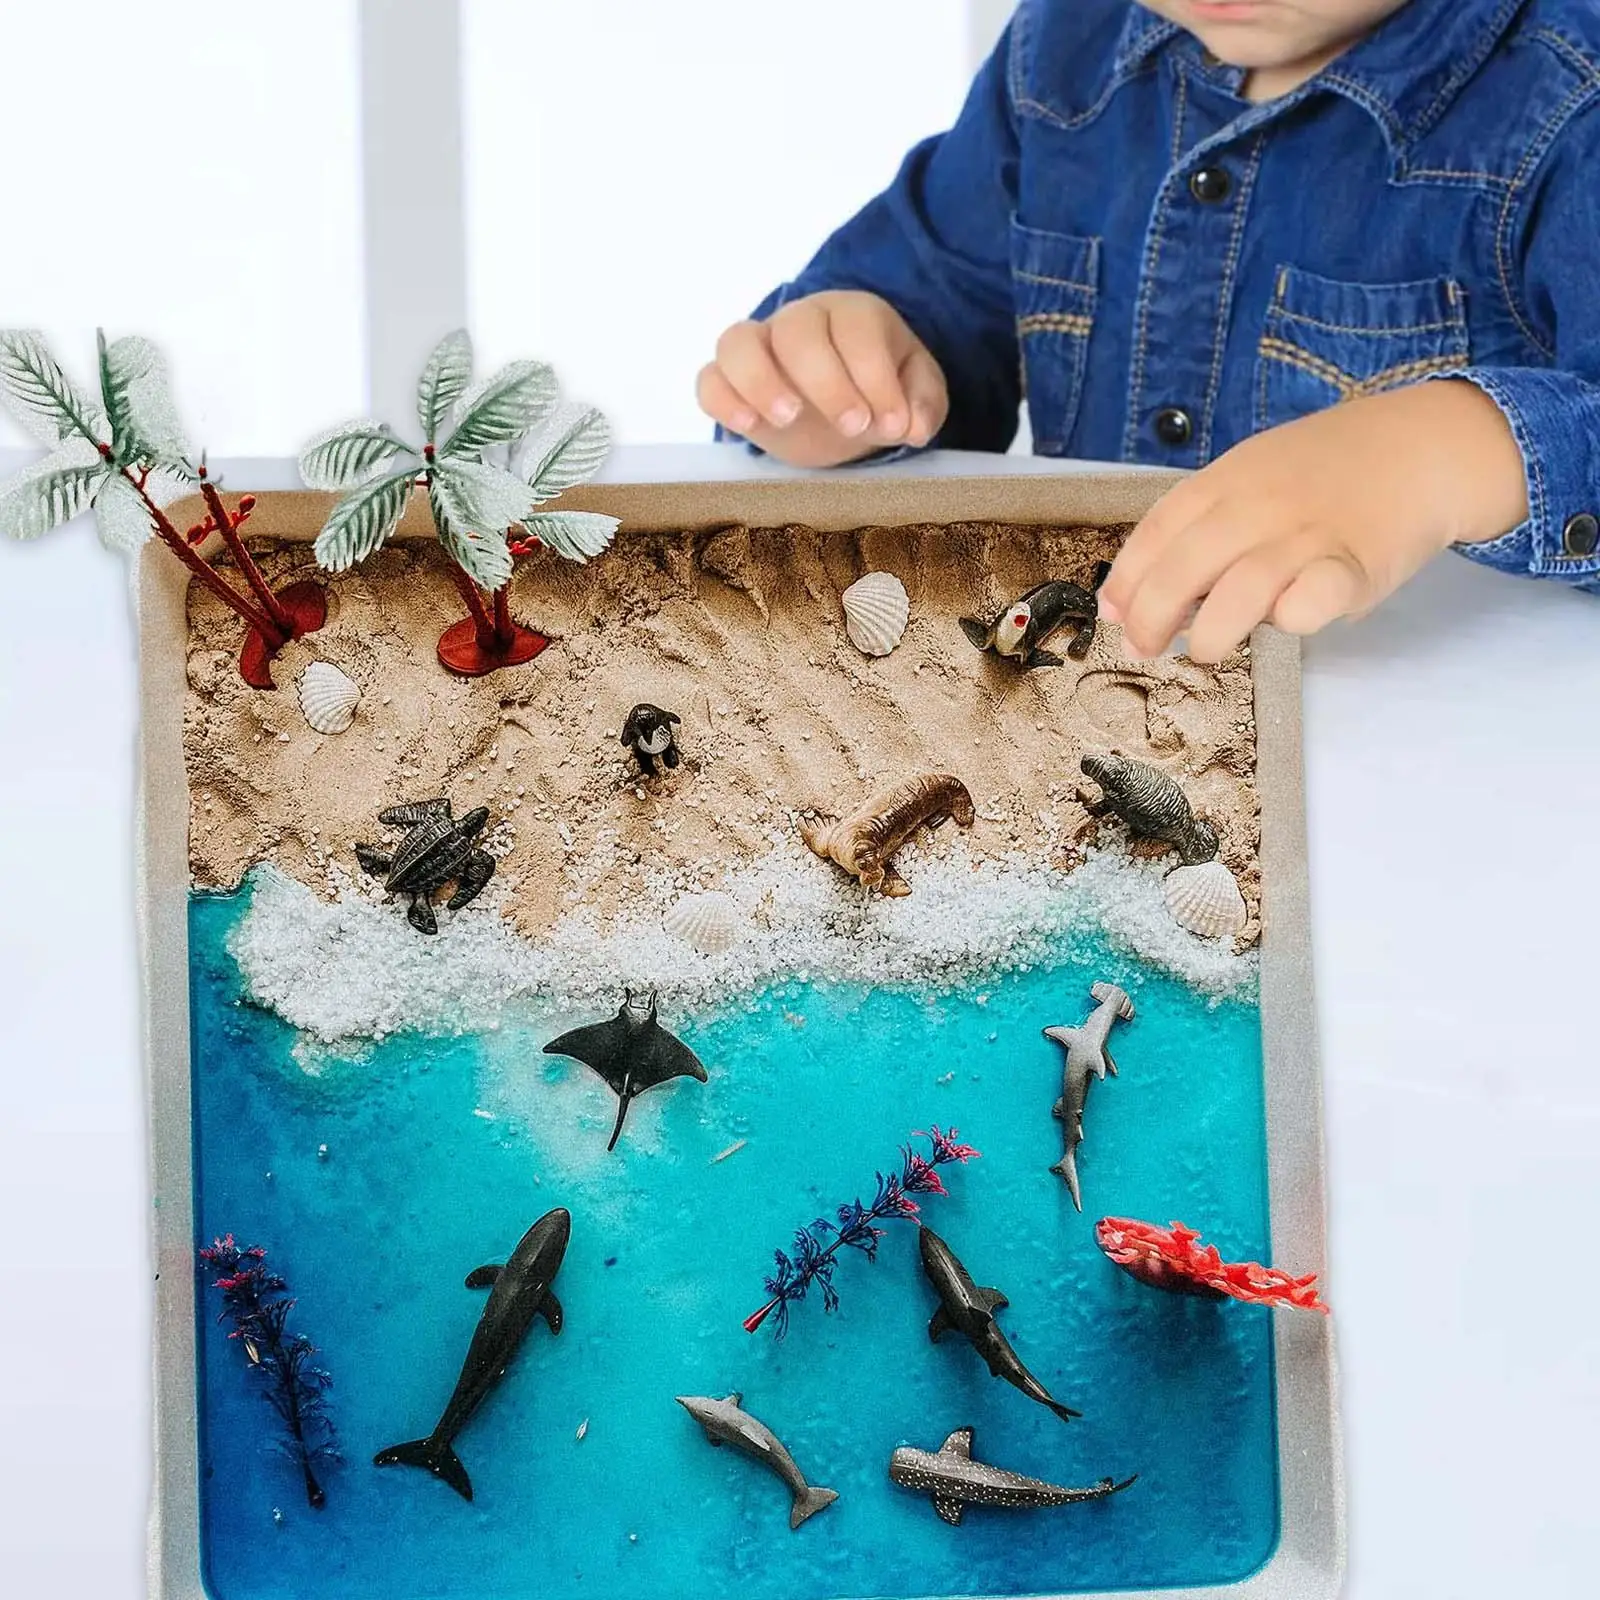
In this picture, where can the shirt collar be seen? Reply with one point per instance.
(1405, 73)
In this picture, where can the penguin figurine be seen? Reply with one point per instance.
(649, 733)
(1020, 631)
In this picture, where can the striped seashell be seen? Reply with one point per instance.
(708, 923)
(876, 611)
(1206, 900)
(328, 698)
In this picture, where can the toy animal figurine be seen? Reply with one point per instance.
(727, 1422)
(649, 733)
(1173, 1259)
(632, 1052)
(1020, 631)
(1087, 1059)
(966, 1309)
(518, 1292)
(436, 850)
(1152, 806)
(863, 842)
(954, 1481)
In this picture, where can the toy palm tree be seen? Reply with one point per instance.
(483, 512)
(125, 456)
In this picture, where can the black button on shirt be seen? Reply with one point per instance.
(1210, 185)
(1581, 536)
(1174, 426)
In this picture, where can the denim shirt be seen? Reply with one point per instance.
(1160, 267)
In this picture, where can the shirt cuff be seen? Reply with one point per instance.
(1555, 419)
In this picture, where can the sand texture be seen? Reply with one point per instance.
(742, 633)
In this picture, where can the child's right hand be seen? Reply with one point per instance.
(826, 379)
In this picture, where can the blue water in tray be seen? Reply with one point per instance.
(440, 1153)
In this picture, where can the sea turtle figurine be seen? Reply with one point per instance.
(1152, 806)
(436, 850)
(649, 733)
(1020, 631)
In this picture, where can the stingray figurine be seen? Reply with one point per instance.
(632, 1052)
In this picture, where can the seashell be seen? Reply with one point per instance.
(708, 923)
(328, 698)
(876, 610)
(1206, 900)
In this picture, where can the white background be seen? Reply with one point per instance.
(188, 170)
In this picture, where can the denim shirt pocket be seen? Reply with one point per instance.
(1326, 341)
(1055, 282)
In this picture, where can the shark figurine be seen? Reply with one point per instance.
(966, 1309)
(518, 1292)
(954, 1481)
(727, 1422)
(1087, 1058)
(632, 1052)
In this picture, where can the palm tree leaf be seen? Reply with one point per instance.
(52, 491)
(362, 521)
(577, 535)
(121, 516)
(45, 400)
(574, 455)
(137, 395)
(351, 454)
(474, 506)
(443, 382)
(502, 408)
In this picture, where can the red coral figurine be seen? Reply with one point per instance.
(1174, 1259)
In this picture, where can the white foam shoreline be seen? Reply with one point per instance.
(352, 969)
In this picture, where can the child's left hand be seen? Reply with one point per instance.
(1318, 519)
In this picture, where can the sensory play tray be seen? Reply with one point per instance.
(812, 900)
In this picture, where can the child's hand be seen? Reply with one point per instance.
(1319, 519)
(826, 379)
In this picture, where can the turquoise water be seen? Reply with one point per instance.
(379, 1182)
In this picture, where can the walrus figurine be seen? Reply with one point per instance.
(863, 842)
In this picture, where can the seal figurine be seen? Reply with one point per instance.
(863, 842)
(651, 734)
(1152, 806)
(436, 850)
(1020, 631)
(1087, 1059)
(727, 1422)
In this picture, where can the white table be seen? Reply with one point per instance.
(1451, 746)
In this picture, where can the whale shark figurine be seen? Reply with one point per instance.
(954, 1481)
(966, 1309)
(727, 1422)
(1087, 1058)
(632, 1052)
(518, 1292)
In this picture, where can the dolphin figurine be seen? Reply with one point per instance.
(632, 1052)
(727, 1422)
(954, 1481)
(1087, 1057)
(968, 1310)
(1020, 631)
(518, 1292)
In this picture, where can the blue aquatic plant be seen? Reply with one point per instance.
(854, 1226)
(255, 1300)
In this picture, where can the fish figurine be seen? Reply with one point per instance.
(727, 1422)
(632, 1052)
(966, 1309)
(1020, 631)
(1087, 1058)
(954, 1480)
(518, 1292)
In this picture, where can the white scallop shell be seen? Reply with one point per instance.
(1206, 900)
(876, 610)
(328, 698)
(708, 923)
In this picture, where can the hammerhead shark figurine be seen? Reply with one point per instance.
(1087, 1057)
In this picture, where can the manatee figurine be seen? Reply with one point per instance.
(1152, 806)
(1020, 631)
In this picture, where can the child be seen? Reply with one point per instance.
(1184, 230)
